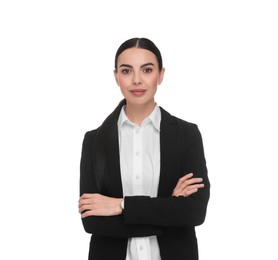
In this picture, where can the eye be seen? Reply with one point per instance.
(125, 71)
(148, 70)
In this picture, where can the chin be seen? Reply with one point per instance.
(140, 101)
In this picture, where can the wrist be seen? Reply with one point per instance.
(122, 204)
(119, 209)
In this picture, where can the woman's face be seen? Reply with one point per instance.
(138, 76)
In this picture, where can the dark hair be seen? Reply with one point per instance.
(142, 43)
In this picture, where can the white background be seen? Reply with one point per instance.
(56, 79)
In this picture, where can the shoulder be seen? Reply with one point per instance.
(168, 118)
(185, 128)
(89, 137)
(91, 133)
(185, 124)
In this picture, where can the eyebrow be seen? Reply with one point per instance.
(144, 65)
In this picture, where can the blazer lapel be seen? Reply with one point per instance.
(113, 165)
(169, 156)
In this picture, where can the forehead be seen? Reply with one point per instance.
(136, 56)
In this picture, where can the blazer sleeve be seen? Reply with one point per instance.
(113, 226)
(174, 211)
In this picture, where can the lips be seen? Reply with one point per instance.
(138, 92)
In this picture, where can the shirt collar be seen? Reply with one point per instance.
(154, 117)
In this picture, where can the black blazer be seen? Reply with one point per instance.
(171, 219)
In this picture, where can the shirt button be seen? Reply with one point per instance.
(141, 248)
(137, 153)
(137, 177)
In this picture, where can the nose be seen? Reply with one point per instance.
(136, 79)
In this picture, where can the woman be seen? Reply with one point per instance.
(144, 184)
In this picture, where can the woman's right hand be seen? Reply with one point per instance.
(187, 185)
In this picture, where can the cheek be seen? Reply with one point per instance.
(123, 82)
(154, 81)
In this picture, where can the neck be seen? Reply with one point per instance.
(137, 113)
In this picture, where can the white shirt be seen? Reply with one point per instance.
(140, 167)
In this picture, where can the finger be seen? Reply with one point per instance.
(195, 186)
(192, 189)
(84, 202)
(190, 182)
(87, 214)
(84, 196)
(185, 177)
(188, 190)
(94, 212)
(187, 193)
(186, 183)
(193, 180)
(85, 208)
(89, 195)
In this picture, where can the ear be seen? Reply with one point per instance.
(116, 77)
(161, 76)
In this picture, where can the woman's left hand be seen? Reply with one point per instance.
(98, 205)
